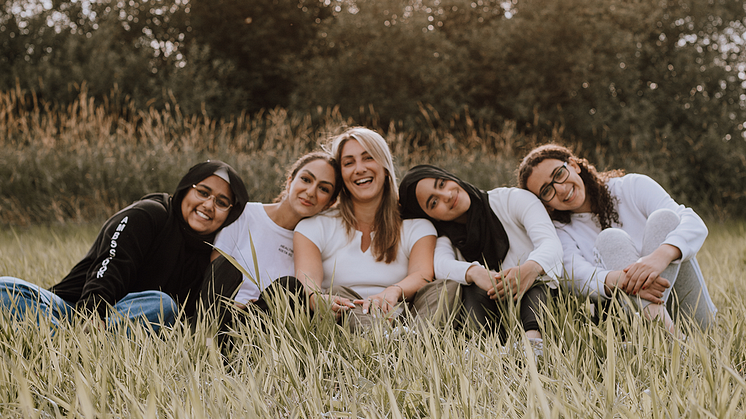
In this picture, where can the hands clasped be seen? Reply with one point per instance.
(513, 281)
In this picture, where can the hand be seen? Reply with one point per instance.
(615, 279)
(515, 281)
(385, 300)
(647, 269)
(337, 304)
(481, 277)
(94, 323)
(655, 291)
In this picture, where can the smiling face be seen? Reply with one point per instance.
(311, 191)
(570, 194)
(363, 177)
(442, 199)
(201, 214)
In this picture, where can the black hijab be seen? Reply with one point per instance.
(175, 257)
(482, 239)
(198, 173)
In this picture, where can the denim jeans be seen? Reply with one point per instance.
(17, 297)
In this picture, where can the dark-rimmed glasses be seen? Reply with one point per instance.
(560, 176)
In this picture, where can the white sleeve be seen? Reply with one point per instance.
(581, 275)
(228, 238)
(649, 196)
(414, 230)
(313, 229)
(531, 214)
(447, 264)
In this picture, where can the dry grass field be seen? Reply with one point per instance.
(63, 169)
(293, 366)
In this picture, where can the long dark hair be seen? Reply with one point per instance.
(603, 205)
(482, 239)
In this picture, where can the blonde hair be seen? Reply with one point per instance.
(387, 223)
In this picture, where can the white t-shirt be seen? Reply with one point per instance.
(347, 265)
(638, 196)
(531, 236)
(273, 245)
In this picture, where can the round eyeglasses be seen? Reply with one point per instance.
(560, 176)
(203, 194)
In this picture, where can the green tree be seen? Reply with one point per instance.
(249, 53)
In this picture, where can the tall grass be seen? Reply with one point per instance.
(90, 159)
(291, 365)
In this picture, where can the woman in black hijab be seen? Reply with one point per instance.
(502, 240)
(148, 259)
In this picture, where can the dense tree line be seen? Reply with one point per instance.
(666, 77)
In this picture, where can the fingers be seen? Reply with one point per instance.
(339, 304)
(504, 287)
(650, 296)
(661, 281)
(375, 302)
(646, 283)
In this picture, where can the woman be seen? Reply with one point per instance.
(360, 257)
(502, 241)
(621, 232)
(264, 232)
(148, 258)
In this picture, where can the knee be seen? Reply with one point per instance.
(14, 290)
(169, 309)
(9, 284)
(664, 218)
(612, 236)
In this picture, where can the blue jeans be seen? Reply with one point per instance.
(18, 296)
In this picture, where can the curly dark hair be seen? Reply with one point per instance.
(603, 205)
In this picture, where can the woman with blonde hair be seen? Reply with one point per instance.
(360, 256)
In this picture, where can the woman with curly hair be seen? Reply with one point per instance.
(622, 232)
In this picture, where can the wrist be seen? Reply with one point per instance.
(470, 271)
(401, 291)
(611, 281)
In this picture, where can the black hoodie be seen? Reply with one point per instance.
(149, 246)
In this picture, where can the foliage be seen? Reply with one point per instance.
(654, 86)
(290, 365)
(88, 161)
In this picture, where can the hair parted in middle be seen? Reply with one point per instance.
(302, 162)
(603, 205)
(387, 223)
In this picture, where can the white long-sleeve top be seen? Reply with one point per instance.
(637, 196)
(530, 233)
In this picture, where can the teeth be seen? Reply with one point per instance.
(361, 181)
(570, 195)
(202, 215)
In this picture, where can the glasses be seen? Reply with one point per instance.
(560, 176)
(203, 194)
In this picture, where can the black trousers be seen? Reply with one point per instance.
(222, 280)
(483, 312)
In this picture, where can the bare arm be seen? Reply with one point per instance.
(310, 272)
(419, 273)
